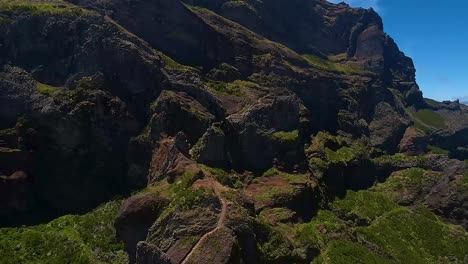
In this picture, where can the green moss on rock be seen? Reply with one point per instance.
(183, 195)
(363, 206)
(321, 229)
(39, 7)
(274, 245)
(46, 89)
(277, 215)
(332, 64)
(224, 177)
(344, 154)
(437, 150)
(404, 185)
(291, 177)
(236, 88)
(285, 136)
(397, 158)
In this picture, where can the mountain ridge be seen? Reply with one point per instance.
(297, 113)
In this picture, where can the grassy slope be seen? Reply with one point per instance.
(393, 234)
(369, 227)
(88, 238)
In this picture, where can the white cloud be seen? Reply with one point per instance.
(375, 4)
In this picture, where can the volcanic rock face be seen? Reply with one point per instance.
(413, 142)
(248, 131)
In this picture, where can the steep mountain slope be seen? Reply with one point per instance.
(247, 131)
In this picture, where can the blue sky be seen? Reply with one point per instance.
(433, 33)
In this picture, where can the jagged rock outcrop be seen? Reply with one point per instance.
(135, 218)
(148, 254)
(413, 142)
(210, 148)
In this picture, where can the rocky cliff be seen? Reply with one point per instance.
(228, 131)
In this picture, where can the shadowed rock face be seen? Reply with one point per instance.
(168, 26)
(304, 26)
(277, 111)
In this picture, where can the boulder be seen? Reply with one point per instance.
(136, 215)
(210, 148)
(387, 127)
(413, 142)
(15, 196)
(175, 112)
(219, 246)
(149, 254)
(168, 160)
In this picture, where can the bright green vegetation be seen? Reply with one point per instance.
(277, 214)
(397, 158)
(184, 196)
(190, 198)
(225, 178)
(317, 165)
(271, 172)
(328, 64)
(338, 57)
(276, 247)
(292, 178)
(171, 63)
(407, 181)
(417, 236)
(396, 234)
(363, 205)
(326, 149)
(322, 140)
(224, 88)
(190, 106)
(344, 154)
(431, 102)
(322, 229)
(213, 170)
(236, 88)
(57, 92)
(437, 150)
(464, 180)
(346, 252)
(426, 119)
(88, 238)
(391, 233)
(46, 89)
(38, 8)
(421, 127)
(285, 136)
(273, 192)
(267, 192)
